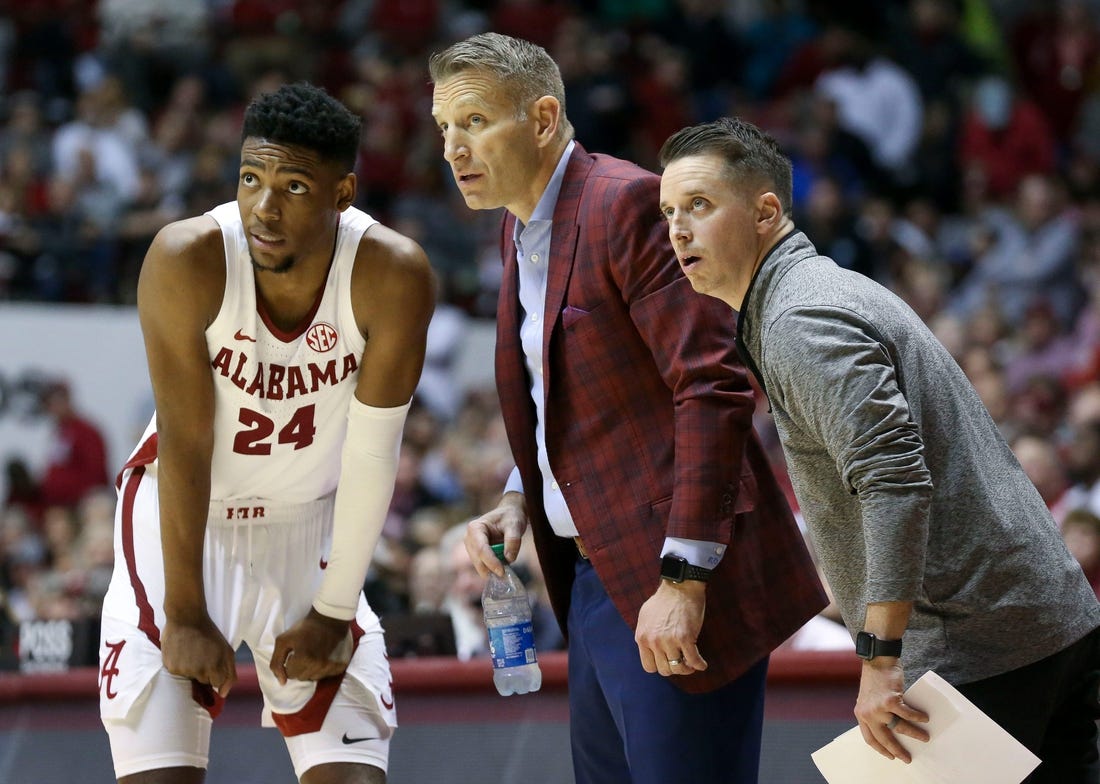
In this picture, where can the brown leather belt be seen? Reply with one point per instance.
(580, 547)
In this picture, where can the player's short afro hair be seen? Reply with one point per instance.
(305, 116)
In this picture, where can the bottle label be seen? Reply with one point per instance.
(512, 646)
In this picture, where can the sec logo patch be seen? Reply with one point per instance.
(321, 337)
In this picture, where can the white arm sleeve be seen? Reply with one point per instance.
(367, 471)
(514, 484)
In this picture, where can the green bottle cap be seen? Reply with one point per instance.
(499, 550)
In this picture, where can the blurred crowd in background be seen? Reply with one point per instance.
(950, 149)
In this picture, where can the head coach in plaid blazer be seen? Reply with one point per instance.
(629, 416)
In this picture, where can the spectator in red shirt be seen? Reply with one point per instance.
(78, 455)
(1006, 137)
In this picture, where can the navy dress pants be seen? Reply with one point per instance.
(628, 726)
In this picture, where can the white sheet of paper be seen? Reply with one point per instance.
(964, 745)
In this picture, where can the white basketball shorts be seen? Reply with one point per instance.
(263, 563)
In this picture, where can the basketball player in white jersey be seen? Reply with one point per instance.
(285, 335)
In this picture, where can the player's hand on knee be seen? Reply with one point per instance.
(314, 648)
(199, 651)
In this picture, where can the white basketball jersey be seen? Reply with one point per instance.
(280, 398)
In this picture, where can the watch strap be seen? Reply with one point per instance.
(868, 646)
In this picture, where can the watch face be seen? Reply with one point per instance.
(673, 568)
(865, 645)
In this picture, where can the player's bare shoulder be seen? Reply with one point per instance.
(392, 275)
(185, 256)
(193, 244)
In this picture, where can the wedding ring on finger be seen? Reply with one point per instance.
(287, 659)
(674, 662)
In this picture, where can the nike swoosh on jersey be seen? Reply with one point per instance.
(348, 741)
(241, 336)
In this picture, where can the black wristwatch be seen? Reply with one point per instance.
(868, 646)
(677, 569)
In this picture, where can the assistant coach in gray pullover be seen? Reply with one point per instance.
(940, 552)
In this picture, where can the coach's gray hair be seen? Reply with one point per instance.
(525, 70)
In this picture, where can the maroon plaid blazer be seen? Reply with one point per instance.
(648, 423)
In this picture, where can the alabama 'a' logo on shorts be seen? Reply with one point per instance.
(109, 669)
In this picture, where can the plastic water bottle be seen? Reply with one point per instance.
(511, 634)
